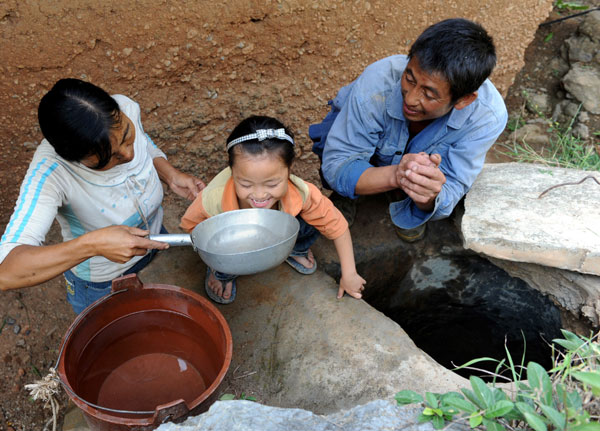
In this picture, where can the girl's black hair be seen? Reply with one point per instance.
(76, 118)
(282, 148)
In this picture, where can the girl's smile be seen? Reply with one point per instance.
(260, 180)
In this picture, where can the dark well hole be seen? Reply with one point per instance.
(460, 307)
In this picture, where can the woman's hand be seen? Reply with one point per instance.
(185, 185)
(353, 284)
(120, 243)
(28, 265)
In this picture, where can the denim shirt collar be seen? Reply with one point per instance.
(456, 118)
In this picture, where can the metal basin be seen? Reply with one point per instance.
(241, 242)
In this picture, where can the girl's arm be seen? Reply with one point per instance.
(351, 282)
(29, 265)
(183, 184)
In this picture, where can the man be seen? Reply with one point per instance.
(415, 126)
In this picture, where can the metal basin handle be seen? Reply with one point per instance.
(173, 239)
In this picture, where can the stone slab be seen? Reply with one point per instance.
(380, 415)
(506, 218)
(301, 347)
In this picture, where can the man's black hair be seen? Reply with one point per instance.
(458, 49)
(76, 117)
(282, 148)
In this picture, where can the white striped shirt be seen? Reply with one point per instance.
(84, 199)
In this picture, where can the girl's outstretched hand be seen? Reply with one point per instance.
(353, 284)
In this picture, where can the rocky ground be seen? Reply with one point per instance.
(34, 320)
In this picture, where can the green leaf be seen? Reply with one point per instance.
(408, 397)
(484, 359)
(534, 375)
(535, 421)
(424, 418)
(227, 397)
(538, 379)
(499, 395)
(574, 401)
(557, 418)
(524, 408)
(491, 425)
(516, 376)
(432, 400)
(449, 411)
(549, 37)
(591, 378)
(438, 422)
(427, 411)
(570, 338)
(471, 397)
(482, 391)
(499, 409)
(591, 426)
(450, 394)
(475, 420)
(461, 404)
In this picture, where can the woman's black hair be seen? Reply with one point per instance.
(282, 148)
(458, 49)
(76, 117)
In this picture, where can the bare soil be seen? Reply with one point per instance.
(189, 121)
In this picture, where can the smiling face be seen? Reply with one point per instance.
(260, 180)
(426, 96)
(122, 137)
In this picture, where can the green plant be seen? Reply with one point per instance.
(563, 150)
(565, 398)
(243, 396)
(515, 123)
(567, 5)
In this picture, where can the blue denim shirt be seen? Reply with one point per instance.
(370, 130)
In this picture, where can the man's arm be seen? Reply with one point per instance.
(356, 133)
(378, 180)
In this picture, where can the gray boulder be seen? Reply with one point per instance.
(380, 415)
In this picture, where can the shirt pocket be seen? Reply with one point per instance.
(389, 145)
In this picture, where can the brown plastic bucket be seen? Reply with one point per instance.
(144, 355)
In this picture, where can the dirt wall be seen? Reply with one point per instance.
(197, 67)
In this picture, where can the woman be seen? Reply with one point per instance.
(98, 174)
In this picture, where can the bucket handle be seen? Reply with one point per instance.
(173, 410)
(129, 281)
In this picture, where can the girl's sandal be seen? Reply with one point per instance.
(212, 295)
(298, 266)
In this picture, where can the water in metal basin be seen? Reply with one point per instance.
(241, 239)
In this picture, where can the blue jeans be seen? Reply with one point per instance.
(81, 293)
(307, 235)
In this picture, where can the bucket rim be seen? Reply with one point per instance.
(165, 411)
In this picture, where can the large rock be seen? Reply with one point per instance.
(583, 83)
(381, 415)
(506, 218)
(577, 293)
(299, 346)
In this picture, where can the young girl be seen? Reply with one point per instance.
(261, 153)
